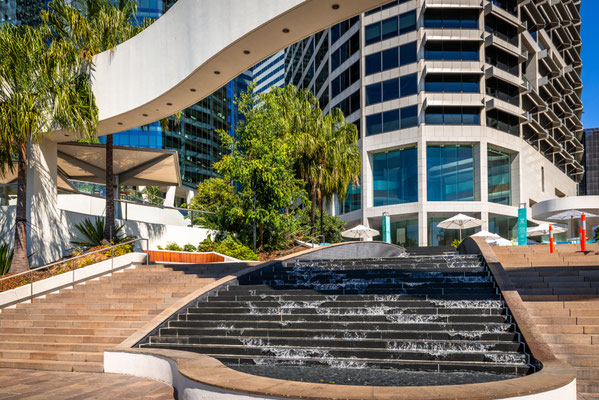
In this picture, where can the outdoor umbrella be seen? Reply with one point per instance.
(360, 232)
(570, 215)
(543, 230)
(488, 236)
(502, 242)
(460, 222)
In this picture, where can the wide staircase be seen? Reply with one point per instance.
(69, 330)
(417, 320)
(561, 292)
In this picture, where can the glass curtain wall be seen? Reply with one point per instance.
(403, 233)
(504, 226)
(499, 176)
(395, 177)
(450, 173)
(353, 201)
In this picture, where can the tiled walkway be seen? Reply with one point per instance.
(45, 385)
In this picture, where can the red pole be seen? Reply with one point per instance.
(583, 233)
(551, 247)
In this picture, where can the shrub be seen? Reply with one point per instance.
(172, 246)
(456, 243)
(5, 258)
(189, 248)
(92, 234)
(229, 247)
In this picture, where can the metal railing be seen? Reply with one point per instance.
(72, 261)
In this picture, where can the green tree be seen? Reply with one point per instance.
(223, 206)
(45, 84)
(94, 26)
(261, 162)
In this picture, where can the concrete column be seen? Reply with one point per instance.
(422, 192)
(169, 201)
(483, 183)
(422, 228)
(47, 235)
(190, 195)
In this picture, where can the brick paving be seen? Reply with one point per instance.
(26, 384)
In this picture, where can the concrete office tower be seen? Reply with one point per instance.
(269, 73)
(468, 106)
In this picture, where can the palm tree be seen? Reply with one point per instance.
(337, 161)
(43, 84)
(94, 26)
(329, 158)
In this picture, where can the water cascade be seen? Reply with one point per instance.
(415, 320)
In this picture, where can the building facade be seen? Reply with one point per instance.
(590, 181)
(471, 106)
(269, 73)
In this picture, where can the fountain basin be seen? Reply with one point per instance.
(200, 376)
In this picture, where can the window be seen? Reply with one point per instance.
(503, 121)
(408, 53)
(350, 104)
(346, 78)
(452, 116)
(450, 173)
(444, 237)
(395, 177)
(343, 53)
(353, 200)
(504, 226)
(390, 27)
(390, 58)
(503, 91)
(408, 85)
(391, 89)
(393, 120)
(499, 175)
(452, 51)
(451, 19)
(452, 83)
(502, 60)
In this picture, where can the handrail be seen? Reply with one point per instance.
(72, 261)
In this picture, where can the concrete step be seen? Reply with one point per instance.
(57, 347)
(58, 338)
(561, 329)
(567, 339)
(27, 323)
(77, 356)
(125, 332)
(66, 366)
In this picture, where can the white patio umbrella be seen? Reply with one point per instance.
(488, 236)
(502, 242)
(360, 232)
(543, 230)
(460, 222)
(570, 215)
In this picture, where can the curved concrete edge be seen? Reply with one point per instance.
(197, 376)
(545, 209)
(200, 377)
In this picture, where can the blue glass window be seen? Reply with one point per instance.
(450, 173)
(408, 53)
(390, 58)
(391, 121)
(499, 175)
(452, 83)
(407, 22)
(452, 51)
(395, 177)
(373, 63)
(373, 94)
(409, 85)
(372, 33)
(452, 116)
(374, 124)
(409, 117)
(353, 200)
(390, 89)
(389, 28)
(451, 19)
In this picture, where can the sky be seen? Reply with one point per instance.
(590, 63)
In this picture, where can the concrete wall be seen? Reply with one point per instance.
(51, 247)
(83, 204)
(354, 250)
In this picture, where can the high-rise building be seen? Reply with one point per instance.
(471, 106)
(590, 182)
(269, 73)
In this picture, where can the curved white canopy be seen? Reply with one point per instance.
(197, 47)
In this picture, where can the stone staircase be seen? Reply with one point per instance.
(69, 330)
(561, 292)
(397, 321)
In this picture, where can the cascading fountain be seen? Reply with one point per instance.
(403, 321)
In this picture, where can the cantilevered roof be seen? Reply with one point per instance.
(133, 166)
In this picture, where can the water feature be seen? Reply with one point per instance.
(414, 320)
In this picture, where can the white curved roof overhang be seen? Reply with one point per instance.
(197, 47)
(545, 209)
